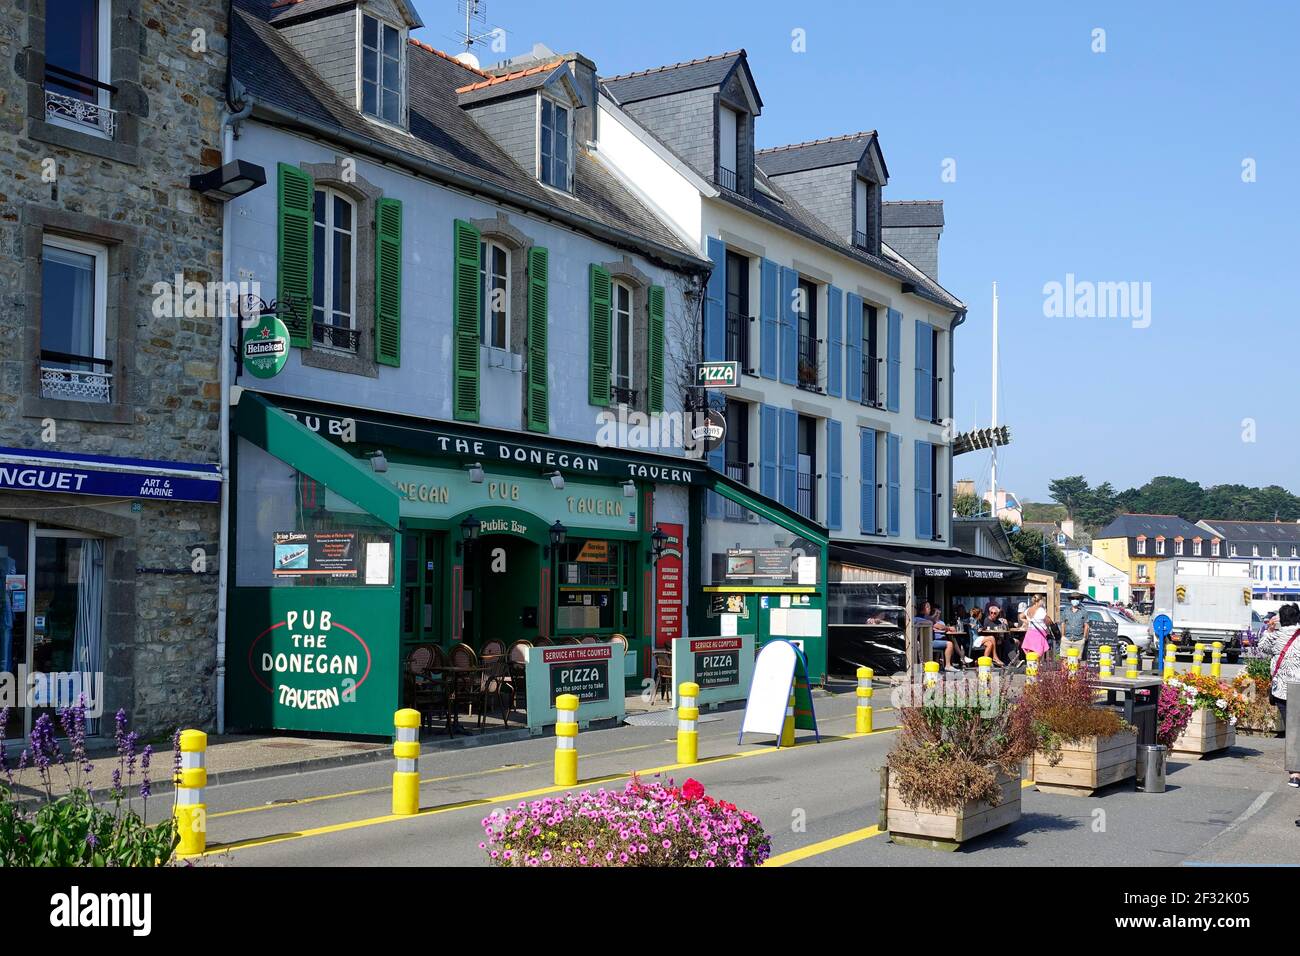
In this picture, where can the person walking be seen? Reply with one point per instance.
(1037, 632)
(1283, 648)
(1074, 625)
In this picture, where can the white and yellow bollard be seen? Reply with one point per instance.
(1072, 659)
(931, 677)
(1169, 673)
(1198, 658)
(1105, 663)
(985, 671)
(787, 728)
(406, 756)
(1031, 666)
(566, 740)
(864, 692)
(1131, 671)
(191, 812)
(688, 712)
(1216, 659)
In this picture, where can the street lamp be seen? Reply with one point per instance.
(559, 534)
(469, 531)
(229, 181)
(658, 540)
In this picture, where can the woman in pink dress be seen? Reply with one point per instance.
(1036, 634)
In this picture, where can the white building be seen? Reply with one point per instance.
(1097, 578)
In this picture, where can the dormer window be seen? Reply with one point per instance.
(861, 212)
(728, 148)
(554, 158)
(381, 70)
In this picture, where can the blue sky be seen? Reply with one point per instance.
(1115, 166)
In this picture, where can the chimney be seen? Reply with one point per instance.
(912, 229)
(966, 486)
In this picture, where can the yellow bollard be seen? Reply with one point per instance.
(1104, 661)
(864, 690)
(688, 712)
(1169, 673)
(1198, 658)
(787, 728)
(931, 673)
(566, 740)
(1072, 659)
(985, 671)
(1031, 666)
(191, 811)
(1216, 659)
(406, 755)
(1131, 661)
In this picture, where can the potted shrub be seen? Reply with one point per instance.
(1216, 708)
(954, 772)
(1081, 747)
(1258, 713)
(644, 824)
(1173, 711)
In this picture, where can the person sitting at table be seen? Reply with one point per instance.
(951, 634)
(984, 645)
(993, 620)
(927, 615)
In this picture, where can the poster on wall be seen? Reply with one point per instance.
(668, 587)
(722, 604)
(334, 554)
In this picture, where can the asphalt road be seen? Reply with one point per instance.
(818, 801)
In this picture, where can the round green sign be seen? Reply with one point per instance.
(266, 347)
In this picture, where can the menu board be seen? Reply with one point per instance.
(334, 554)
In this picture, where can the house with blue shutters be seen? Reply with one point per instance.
(845, 344)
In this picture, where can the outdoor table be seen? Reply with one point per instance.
(1122, 694)
(1008, 640)
(455, 679)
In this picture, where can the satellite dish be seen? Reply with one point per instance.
(469, 59)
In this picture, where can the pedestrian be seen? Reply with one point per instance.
(1283, 648)
(1074, 624)
(1036, 633)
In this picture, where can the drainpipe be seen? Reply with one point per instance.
(223, 564)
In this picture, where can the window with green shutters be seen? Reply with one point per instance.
(599, 338)
(465, 322)
(536, 394)
(294, 240)
(388, 282)
(655, 391)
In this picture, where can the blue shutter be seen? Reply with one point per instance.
(893, 450)
(924, 491)
(715, 294)
(924, 371)
(769, 319)
(769, 450)
(853, 350)
(895, 334)
(789, 327)
(835, 361)
(789, 457)
(835, 476)
(867, 483)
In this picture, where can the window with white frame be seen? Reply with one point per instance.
(1196, 548)
(861, 211)
(1232, 550)
(728, 147)
(1178, 547)
(1254, 551)
(1160, 545)
(381, 70)
(1275, 551)
(77, 66)
(494, 286)
(74, 326)
(553, 153)
(334, 272)
(621, 341)
(1142, 545)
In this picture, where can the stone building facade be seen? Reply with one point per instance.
(104, 389)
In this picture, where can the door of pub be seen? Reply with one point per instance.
(424, 581)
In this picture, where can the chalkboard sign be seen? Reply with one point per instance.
(587, 680)
(718, 666)
(1099, 633)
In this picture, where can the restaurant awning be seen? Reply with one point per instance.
(928, 563)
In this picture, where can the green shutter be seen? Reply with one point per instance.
(599, 380)
(293, 274)
(465, 312)
(388, 282)
(656, 357)
(537, 397)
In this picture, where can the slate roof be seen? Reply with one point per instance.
(509, 84)
(911, 212)
(816, 154)
(283, 11)
(277, 75)
(682, 77)
(1257, 532)
(1171, 526)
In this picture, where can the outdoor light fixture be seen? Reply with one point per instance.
(629, 489)
(476, 473)
(559, 534)
(469, 529)
(378, 463)
(557, 480)
(658, 540)
(229, 181)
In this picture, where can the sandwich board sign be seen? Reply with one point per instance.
(779, 669)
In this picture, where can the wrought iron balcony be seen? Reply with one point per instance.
(335, 337)
(860, 239)
(738, 339)
(80, 103)
(809, 362)
(623, 396)
(806, 495)
(76, 384)
(727, 178)
(739, 471)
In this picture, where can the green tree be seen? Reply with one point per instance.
(1069, 491)
(1097, 508)
(1033, 549)
(1168, 495)
(967, 506)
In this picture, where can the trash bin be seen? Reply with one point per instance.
(1151, 768)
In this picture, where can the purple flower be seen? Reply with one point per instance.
(92, 841)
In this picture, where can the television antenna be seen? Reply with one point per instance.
(475, 14)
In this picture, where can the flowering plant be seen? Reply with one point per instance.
(644, 824)
(1173, 713)
(1258, 711)
(72, 828)
(1063, 706)
(1204, 692)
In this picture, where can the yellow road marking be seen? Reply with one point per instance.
(252, 842)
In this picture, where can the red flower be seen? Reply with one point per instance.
(692, 789)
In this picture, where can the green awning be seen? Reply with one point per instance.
(773, 511)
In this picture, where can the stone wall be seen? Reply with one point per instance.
(132, 194)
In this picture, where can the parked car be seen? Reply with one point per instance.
(1126, 630)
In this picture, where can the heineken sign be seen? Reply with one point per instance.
(266, 347)
(717, 374)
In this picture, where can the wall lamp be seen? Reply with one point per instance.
(229, 181)
(469, 532)
(629, 489)
(378, 463)
(559, 534)
(476, 473)
(557, 480)
(658, 541)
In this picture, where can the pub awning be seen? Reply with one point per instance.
(928, 563)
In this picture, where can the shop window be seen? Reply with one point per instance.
(293, 531)
(590, 585)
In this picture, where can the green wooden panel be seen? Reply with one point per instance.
(537, 391)
(466, 311)
(600, 337)
(294, 242)
(388, 282)
(656, 351)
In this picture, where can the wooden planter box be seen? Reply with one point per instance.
(1271, 728)
(1205, 734)
(1088, 765)
(947, 830)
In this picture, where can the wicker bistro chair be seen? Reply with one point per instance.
(423, 692)
(664, 674)
(494, 683)
(515, 678)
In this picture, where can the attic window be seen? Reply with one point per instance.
(554, 152)
(862, 213)
(381, 70)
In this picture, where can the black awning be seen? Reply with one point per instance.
(928, 563)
